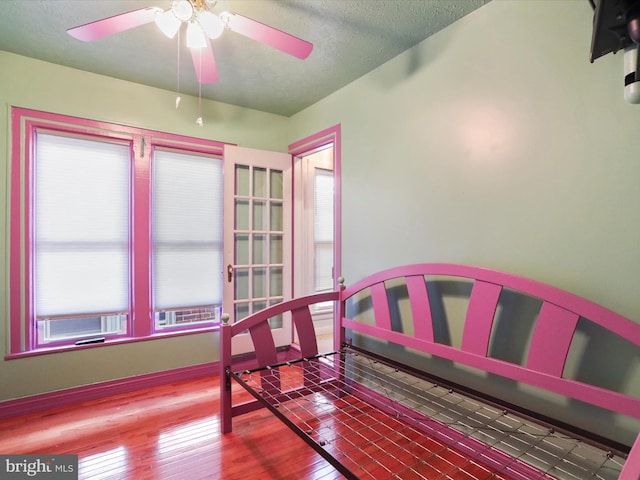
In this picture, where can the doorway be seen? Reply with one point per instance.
(316, 207)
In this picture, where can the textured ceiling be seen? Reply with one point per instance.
(350, 38)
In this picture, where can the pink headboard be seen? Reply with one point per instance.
(550, 341)
(369, 309)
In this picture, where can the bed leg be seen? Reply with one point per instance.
(225, 378)
(631, 468)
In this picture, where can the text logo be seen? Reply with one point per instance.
(50, 467)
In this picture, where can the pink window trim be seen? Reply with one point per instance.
(24, 122)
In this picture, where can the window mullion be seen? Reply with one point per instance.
(140, 250)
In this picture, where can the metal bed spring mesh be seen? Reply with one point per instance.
(382, 423)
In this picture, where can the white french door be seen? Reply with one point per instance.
(257, 237)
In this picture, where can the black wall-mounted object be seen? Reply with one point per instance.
(616, 26)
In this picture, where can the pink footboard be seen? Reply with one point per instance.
(265, 351)
(553, 331)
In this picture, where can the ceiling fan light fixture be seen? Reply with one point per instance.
(182, 9)
(168, 23)
(195, 36)
(210, 23)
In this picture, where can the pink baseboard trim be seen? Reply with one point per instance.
(60, 398)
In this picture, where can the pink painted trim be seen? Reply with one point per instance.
(24, 123)
(325, 137)
(117, 340)
(61, 398)
(140, 242)
(314, 141)
(95, 127)
(15, 278)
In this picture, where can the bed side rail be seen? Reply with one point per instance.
(550, 341)
(257, 325)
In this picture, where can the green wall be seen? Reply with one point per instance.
(29, 83)
(494, 142)
(497, 143)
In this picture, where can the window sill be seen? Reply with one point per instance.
(108, 342)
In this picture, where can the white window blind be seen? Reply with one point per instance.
(323, 229)
(81, 194)
(187, 230)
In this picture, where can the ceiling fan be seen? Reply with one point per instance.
(202, 25)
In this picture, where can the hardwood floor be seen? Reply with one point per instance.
(168, 432)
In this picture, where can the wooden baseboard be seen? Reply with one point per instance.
(59, 398)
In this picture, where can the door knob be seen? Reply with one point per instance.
(229, 273)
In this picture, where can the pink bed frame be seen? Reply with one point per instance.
(548, 350)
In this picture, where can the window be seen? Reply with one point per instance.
(323, 230)
(116, 232)
(187, 238)
(81, 236)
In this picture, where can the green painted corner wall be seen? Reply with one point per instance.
(496, 143)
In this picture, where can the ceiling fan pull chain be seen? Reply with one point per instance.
(199, 119)
(178, 75)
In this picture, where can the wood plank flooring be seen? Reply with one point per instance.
(167, 432)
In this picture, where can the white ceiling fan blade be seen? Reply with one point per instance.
(118, 23)
(205, 63)
(268, 35)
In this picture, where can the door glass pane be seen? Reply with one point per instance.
(242, 310)
(275, 248)
(259, 215)
(259, 283)
(242, 180)
(260, 182)
(242, 249)
(276, 322)
(276, 216)
(275, 186)
(241, 276)
(242, 215)
(260, 305)
(275, 281)
(259, 249)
